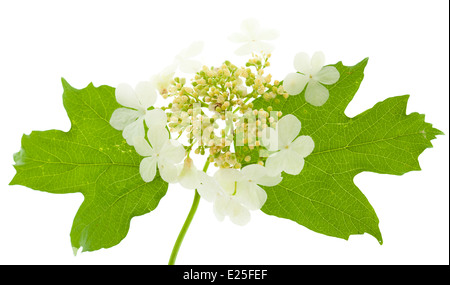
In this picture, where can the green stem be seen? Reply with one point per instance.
(187, 223)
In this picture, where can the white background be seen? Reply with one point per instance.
(109, 42)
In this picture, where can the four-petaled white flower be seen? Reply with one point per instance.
(163, 153)
(235, 192)
(183, 60)
(290, 149)
(130, 120)
(189, 175)
(253, 38)
(313, 74)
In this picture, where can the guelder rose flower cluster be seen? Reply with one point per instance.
(214, 115)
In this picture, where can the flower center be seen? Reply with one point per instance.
(142, 111)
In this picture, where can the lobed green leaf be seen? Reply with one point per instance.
(383, 139)
(94, 159)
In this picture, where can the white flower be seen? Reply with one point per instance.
(291, 150)
(183, 60)
(253, 38)
(189, 175)
(251, 195)
(314, 74)
(163, 153)
(130, 120)
(163, 79)
(235, 192)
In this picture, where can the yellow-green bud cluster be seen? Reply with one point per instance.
(217, 110)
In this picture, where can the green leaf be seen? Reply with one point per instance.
(94, 159)
(383, 139)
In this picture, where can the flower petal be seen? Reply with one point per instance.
(147, 169)
(146, 94)
(190, 180)
(158, 137)
(294, 83)
(164, 78)
(250, 27)
(122, 117)
(327, 75)
(135, 129)
(227, 179)
(239, 215)
(126, 96)
(192, 50)
(142, 147)
(253, 172)
(208, 188)
(271, 179)
(156, 117)
(251, 195)
(316, 94)
(221, 207)
(293, 163)
(238, 38)
(303, 145)
(285, 160)
(169, 70)
(167, 170)
(275, 162)
(302, 63)
(246, 49)
(317, 62)
(264, 47)
(173, 151)
(268, 34)
(288, 128)
(190, 66)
